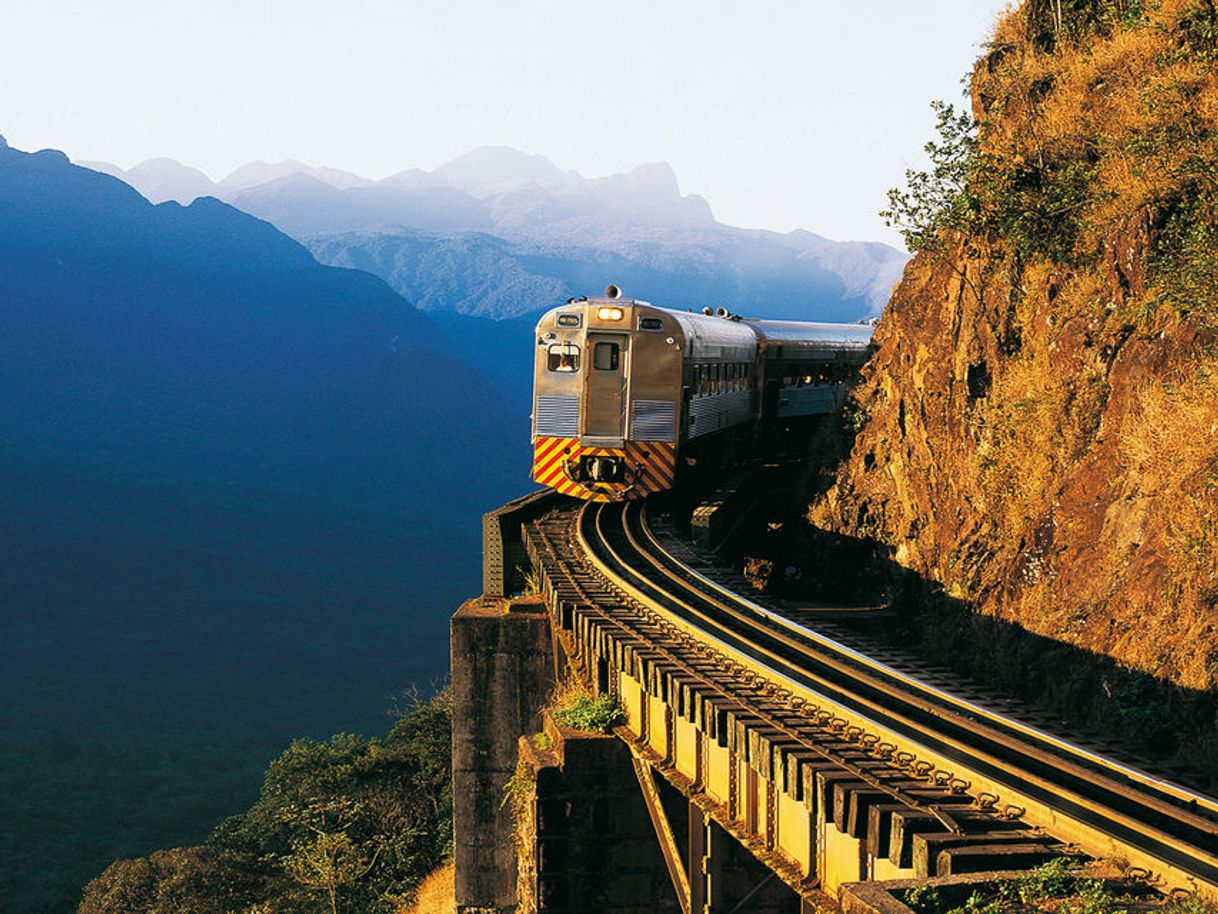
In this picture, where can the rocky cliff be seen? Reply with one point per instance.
(1038, 431)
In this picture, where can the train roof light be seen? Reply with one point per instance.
(609, 314)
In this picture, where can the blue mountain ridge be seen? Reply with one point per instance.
(204, 338)
(239, 498)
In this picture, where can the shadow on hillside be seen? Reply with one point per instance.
(1088, 693)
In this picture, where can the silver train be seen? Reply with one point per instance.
(624, 391)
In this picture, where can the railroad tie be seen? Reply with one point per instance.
(984, 858)
(927, 846)
(852, 805)
(909, 822)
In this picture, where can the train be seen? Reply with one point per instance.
(625, 393)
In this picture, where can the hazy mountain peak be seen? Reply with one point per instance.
(650, 193)
(496, 169)
(413, 179)
(3, 142)
(162, 179)
(258, 172)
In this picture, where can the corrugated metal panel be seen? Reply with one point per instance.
(653, 420)
(715, 412)
(558, 417)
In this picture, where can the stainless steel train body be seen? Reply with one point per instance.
(623, 390)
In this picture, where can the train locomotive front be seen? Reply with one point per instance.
(607, 382)
(624, 390)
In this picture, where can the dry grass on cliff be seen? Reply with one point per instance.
(1075, 491)
(435, 893)
(1170, 447)
(1123, 110)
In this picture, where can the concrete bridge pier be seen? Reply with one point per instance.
(503, 672)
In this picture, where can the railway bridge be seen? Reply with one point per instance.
(765, 760)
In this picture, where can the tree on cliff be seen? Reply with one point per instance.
(358, 821)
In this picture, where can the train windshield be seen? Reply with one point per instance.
(563, 357)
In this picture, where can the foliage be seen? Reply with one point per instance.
(1185, 903)
(1052, 23)
(531, 578)
(1030, 204)
(1093, 113)
(1056, 886)
(938, 200)
(925, 899)
(327, 862)
(1186, 251)
(518, 789)
(1139, 702)
(595, 715)
(435, 893)
(358, 821)
(184, 880)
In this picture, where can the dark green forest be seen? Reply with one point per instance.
(341, 825)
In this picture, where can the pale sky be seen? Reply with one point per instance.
(782, 113)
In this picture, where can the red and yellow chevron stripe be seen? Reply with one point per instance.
(652, 465)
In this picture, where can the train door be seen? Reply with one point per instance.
(605, 396)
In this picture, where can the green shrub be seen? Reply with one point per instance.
(595, 715)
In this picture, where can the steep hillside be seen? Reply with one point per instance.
(799, 277)
(1037, 432)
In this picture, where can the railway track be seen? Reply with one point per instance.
(919, 772)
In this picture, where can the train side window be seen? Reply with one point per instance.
(563, 357)
(606, 356)
(651, 323)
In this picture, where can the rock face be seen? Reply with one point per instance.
(1038, 431)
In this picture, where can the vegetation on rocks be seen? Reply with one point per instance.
(1058, 886)
(345, 825)
(595, 715)
(1038, 438)
(574, 706)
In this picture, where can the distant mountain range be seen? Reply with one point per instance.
(499, 233)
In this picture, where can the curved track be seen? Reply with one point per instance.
(1155, 819)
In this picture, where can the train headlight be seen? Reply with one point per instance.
(609, 314)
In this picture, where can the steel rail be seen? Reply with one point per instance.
(1131, 831)
(896, 793)
(1177, 791)
(948, 698)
